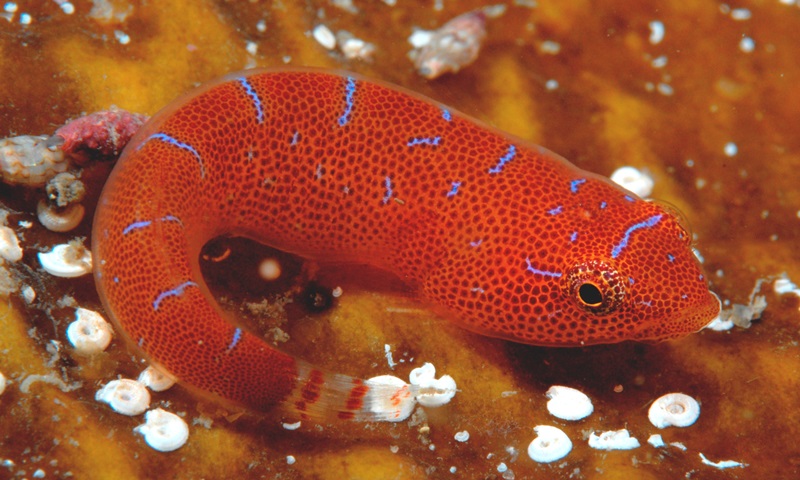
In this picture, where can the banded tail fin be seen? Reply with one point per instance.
(386, 398)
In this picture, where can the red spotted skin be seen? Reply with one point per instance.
(497, 233)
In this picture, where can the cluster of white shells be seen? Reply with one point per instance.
(351, 46)
(551, 443)
(90, 334)
(392, 399)
(32, 162)
(432, 391)
(28, 160)
(162, 430)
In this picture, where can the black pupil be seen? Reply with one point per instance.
(590, 294)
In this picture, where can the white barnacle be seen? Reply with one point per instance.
(155, 379)
(28, 161)
(163, 431)
(125, 396)
(354, 48)
(656, 441)
(634, 180)
(550, 444)
(431, 391)
(613, 440)
(9, 245)
(785, 285)
(291, 426)
(28, 294)
(60, 219)
(455, 45)
(90, 333)
(324, 36)
(656, 32)
(67, 260)
(674, 410)
(568, 404)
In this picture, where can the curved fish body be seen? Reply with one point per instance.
(506, 238)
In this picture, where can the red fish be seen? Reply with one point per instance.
(504, 237)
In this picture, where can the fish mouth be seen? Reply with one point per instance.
(691, 320)
(717, 312)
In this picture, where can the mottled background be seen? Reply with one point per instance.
(613, 106)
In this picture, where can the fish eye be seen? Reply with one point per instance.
(596, 287)
(590, 295)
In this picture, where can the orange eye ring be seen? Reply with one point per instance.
(596, 287)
